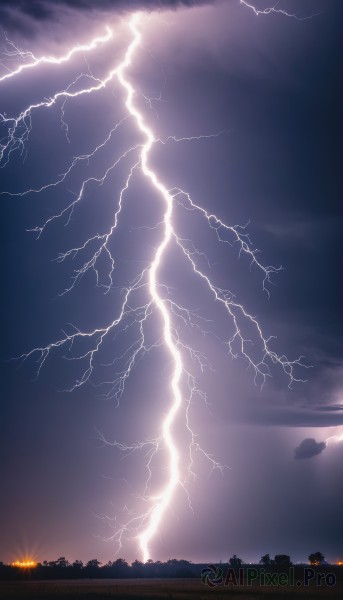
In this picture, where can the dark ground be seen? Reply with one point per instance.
(157, 589)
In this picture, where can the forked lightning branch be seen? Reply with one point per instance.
(169, 315)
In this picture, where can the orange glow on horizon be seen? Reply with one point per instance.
(24, 564)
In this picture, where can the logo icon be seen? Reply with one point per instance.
(212, 576)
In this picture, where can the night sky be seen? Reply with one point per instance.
(270, 85)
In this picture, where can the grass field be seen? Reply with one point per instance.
(155, 589)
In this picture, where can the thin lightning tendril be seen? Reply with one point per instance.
(133, 316)
(52, 60)
(274, 9)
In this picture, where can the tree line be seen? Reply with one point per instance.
(121, 569)
(117, 569)
(280, 560)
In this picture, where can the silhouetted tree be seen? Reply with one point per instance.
(93, 564)
(121, 562)
(179, 567)
(316, 558)
(52, 564)
(235, 562)
(62, 562)
(120, 567)
(77, 564)
(265, 560)
(137, 568)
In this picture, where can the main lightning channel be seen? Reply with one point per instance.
(164, 500)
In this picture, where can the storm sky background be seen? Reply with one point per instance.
(271, 84)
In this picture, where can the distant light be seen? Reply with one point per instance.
(24, 564)
(340, 563)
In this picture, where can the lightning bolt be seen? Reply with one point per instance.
(146, 297)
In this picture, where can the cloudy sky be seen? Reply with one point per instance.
(269, 86)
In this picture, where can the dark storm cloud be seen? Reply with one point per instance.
(23, 15)
(41, 9)
(309, 448)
